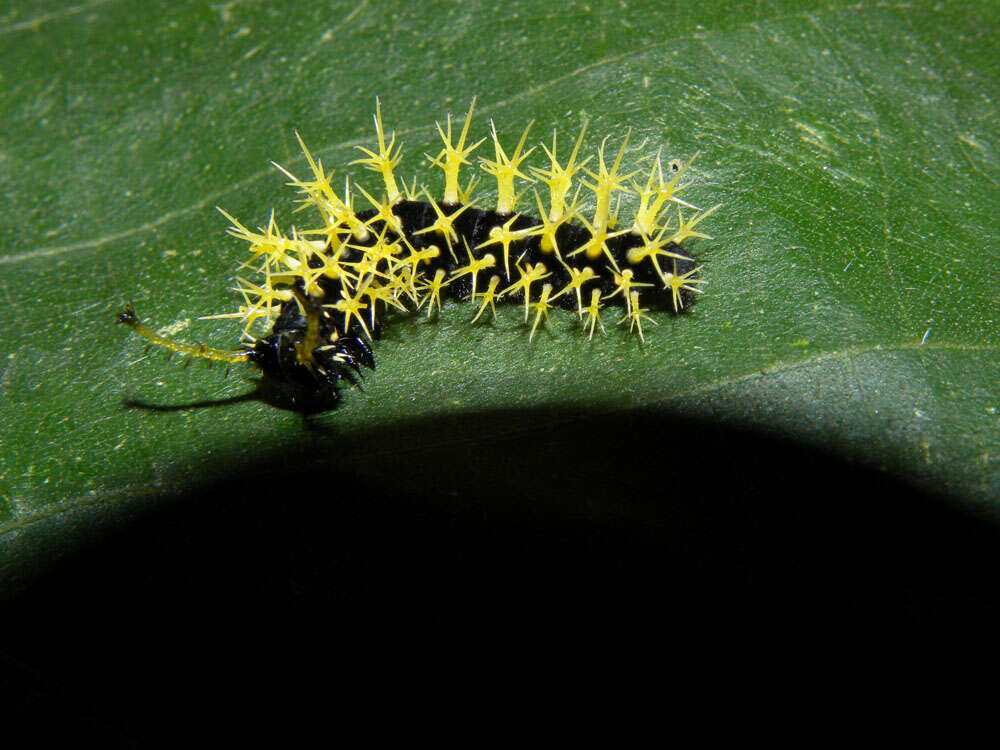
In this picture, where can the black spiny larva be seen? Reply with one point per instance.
(324, 290)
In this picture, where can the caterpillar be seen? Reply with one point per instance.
(324, 291)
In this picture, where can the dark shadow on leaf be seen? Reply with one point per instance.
(277, 395)
(133, 403)
(474, 579)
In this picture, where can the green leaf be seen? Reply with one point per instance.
(852, 296)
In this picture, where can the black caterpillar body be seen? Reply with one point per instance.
(325, 290)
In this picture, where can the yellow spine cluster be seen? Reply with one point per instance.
(379, 272)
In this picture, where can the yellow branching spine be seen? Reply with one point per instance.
(383, 161)
(506, 168)
(558, 178)
(454, 155)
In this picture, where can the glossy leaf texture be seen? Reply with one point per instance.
(852, 296)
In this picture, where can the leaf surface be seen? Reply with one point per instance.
(852, 296)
